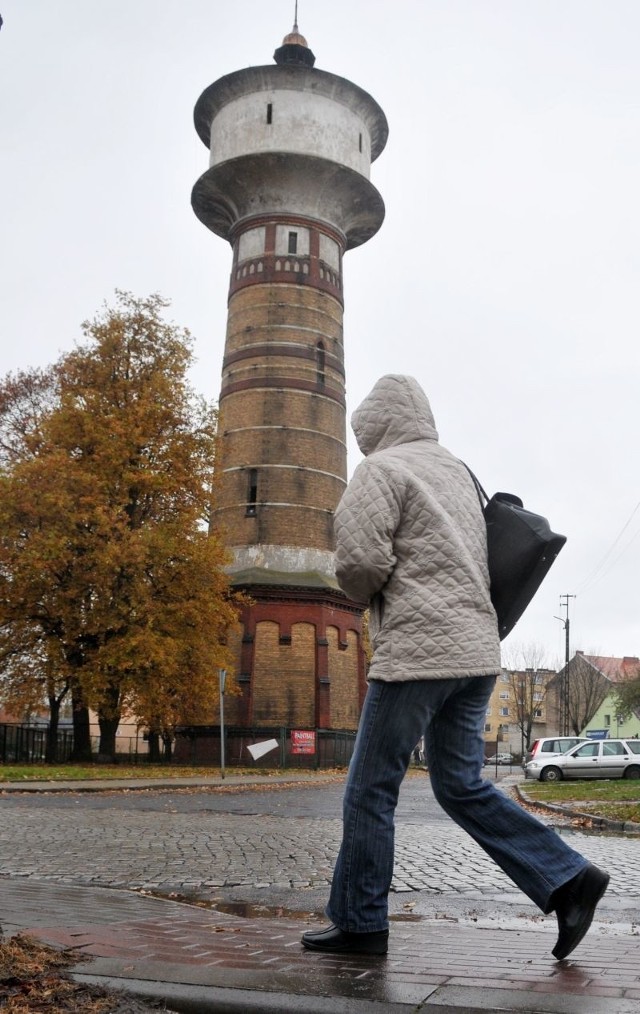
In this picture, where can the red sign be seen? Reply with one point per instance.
(303, 741)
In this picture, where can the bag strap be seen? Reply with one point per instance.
(479, 490)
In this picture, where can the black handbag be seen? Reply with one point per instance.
(521, 548)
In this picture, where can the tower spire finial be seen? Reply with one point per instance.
(294, 48)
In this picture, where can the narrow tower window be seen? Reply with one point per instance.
(360, 142)
(293, 242)
(252, 492)
(320, 361)
(269, 112)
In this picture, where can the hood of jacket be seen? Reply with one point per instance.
(396, 411)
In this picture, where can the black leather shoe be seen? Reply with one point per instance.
(337, 941)
(575, 904)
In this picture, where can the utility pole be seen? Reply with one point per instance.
(564, 705)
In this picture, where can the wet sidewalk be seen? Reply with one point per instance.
(197, 959)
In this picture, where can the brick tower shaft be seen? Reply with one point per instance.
(282, 401)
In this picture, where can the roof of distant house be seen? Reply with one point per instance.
(615, 669)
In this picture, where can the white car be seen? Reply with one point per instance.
(499, 758)
(552, 744)
(604, 758)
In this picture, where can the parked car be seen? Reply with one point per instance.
(603, 758)
(500, 758)
(552, 744)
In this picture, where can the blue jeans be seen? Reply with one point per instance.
(450, 714)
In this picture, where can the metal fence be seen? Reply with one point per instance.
(27, 744)
(197, 745)
(200, 745)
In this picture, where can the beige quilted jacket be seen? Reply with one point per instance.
(411, 541)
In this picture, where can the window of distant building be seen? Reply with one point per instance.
(293, 243)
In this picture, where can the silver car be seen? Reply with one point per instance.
(605, 758)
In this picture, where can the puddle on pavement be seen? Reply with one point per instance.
(247, 910)
(568, 831)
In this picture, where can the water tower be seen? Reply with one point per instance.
(288, 187)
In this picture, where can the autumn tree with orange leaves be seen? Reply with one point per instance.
(112, 584)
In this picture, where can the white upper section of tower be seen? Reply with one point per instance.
(293, 121)
(289, 139)
(329, 100)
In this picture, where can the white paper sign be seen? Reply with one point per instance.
(260, 749)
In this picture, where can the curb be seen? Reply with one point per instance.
(185, 999)
(146, 784)
(601, 823)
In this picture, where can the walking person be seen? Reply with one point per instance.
(411, 542)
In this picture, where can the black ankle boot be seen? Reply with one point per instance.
(575, 905)
(337, 941)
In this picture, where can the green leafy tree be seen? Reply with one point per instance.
(112, 581)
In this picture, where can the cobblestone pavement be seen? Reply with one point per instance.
(267, 856)
(191, 842)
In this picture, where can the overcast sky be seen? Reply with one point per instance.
(505, 276)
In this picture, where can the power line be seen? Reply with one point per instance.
(595, 573)
(621, 553)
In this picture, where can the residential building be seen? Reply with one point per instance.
(583, 693)
(517, 712)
